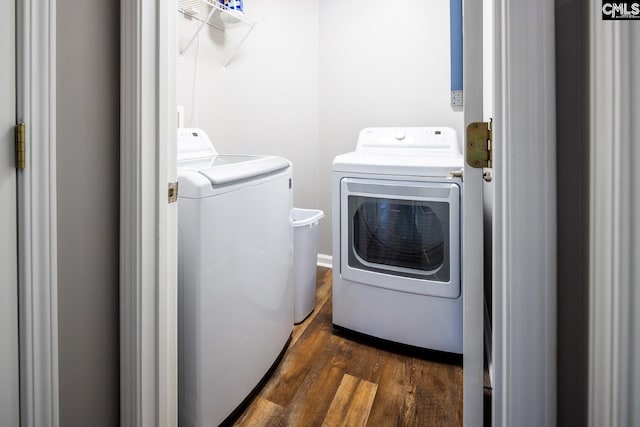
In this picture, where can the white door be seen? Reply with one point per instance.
(472, 267)
(9, 379)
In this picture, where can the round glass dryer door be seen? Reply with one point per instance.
(401, 235)
(408, 237)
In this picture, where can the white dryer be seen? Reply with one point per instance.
(235, 275)
(397, 237)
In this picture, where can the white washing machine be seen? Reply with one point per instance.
(397, 237)
(235, 275)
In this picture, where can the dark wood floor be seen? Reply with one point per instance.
(327, 378)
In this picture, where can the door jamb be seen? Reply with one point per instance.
(9, 326)
(513, 300)
(524, 223)
(148, 233)
(37, 242)
(614, 341)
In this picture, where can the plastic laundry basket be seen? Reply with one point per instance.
(305, 254)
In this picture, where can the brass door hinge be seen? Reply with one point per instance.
(480, 144)
(173, 192)
(20, 146)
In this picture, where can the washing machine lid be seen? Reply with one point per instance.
(227, 169)
(203, 172)
(220, 174)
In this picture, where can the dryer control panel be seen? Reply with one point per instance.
(428, 138)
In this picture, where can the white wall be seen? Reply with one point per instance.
(315, 72)
(266, 100)
(381, 64)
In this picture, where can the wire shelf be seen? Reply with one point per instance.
(216, 14)
(213, 13)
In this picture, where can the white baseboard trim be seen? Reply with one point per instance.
(325, 261)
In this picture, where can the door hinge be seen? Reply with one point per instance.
(480, 144)
(20, 146)
(173, 192)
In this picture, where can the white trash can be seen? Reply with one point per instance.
(305, 255)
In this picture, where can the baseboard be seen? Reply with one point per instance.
(325, 261)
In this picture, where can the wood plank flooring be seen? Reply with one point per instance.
(331, 378)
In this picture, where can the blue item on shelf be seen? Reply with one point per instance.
(233, 4)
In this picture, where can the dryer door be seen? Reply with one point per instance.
(401, 235)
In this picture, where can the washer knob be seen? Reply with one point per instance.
(400, 136)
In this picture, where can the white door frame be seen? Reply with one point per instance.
(524, 274)
(614, 275)
(524, 277)
(148, 234)
(37, 253)
(524, 224)
(9, 355)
